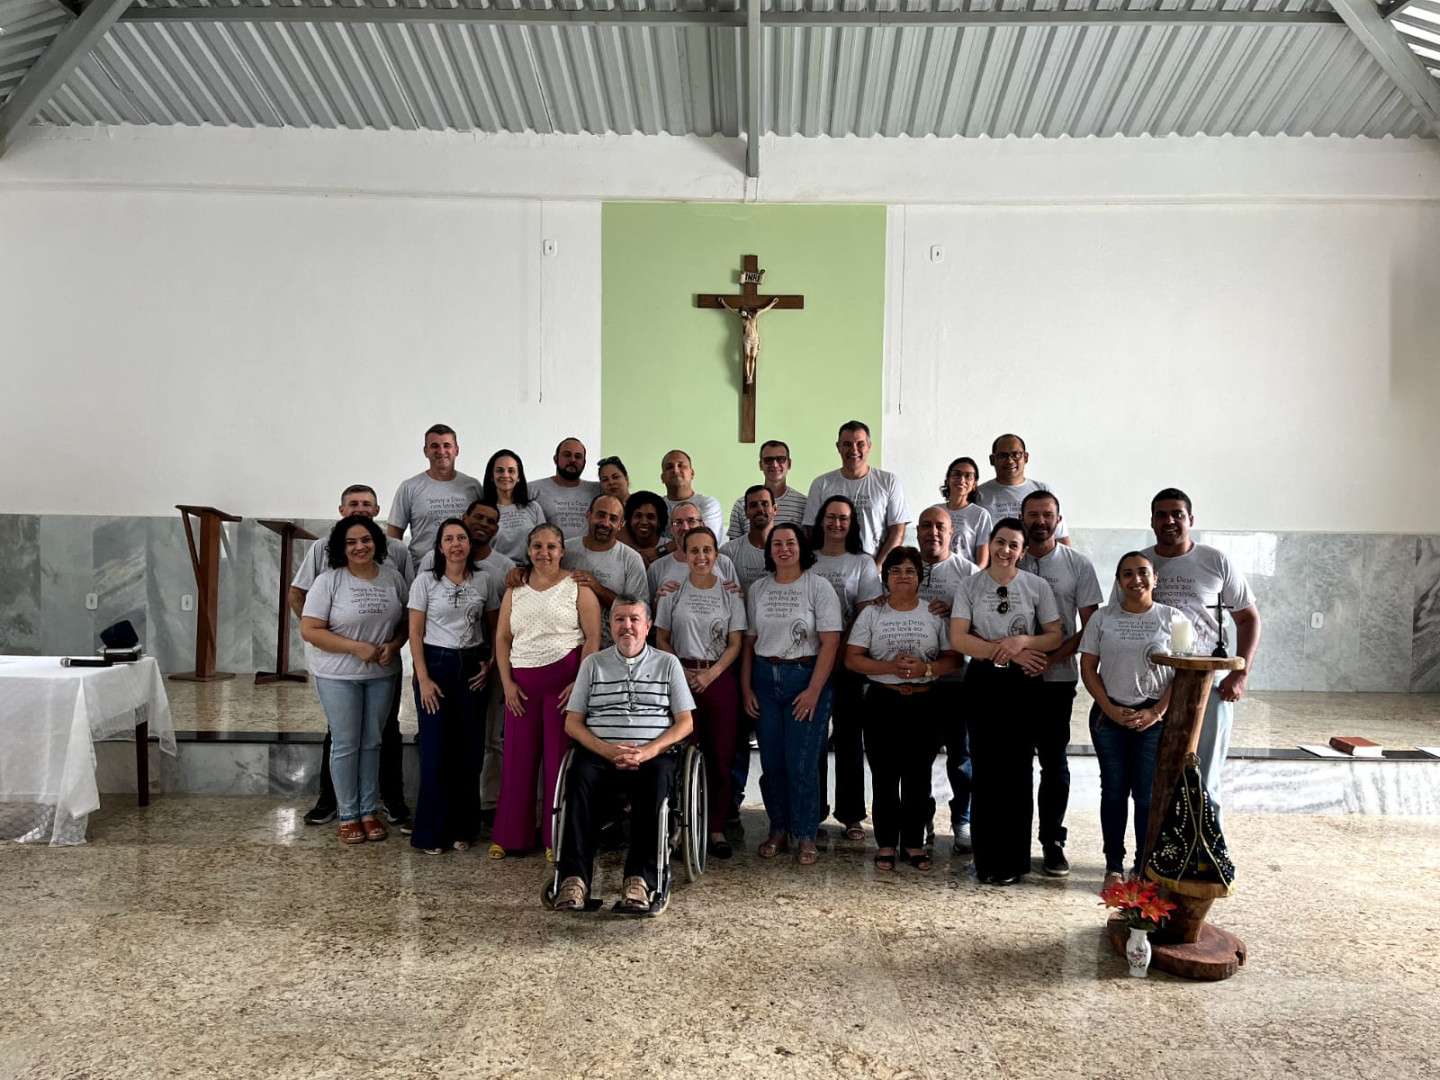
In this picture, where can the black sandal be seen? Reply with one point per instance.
(885, 862)
(921, 860)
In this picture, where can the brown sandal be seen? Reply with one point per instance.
(777, 843)
(352, 832)
(571, 895)
(374, 831)
(635, 894)
(809, 854)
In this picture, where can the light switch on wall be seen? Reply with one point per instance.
(1317, 620)
(187, 602)
(91, 601)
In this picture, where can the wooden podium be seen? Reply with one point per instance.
(206, 562)
(1188, 945)
(289, 532)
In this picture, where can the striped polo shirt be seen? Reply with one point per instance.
(630, 700)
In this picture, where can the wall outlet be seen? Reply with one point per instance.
(187, 602)
(549, 247)
(91, 601)
(937, 254)
(1317, 620)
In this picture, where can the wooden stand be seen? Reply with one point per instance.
(289, 532)
(206, 562)
(1188, 946)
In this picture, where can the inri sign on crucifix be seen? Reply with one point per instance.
(749, 305)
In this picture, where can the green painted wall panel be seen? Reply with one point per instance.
(671, 371)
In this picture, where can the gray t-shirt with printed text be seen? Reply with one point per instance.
(361, 610)
(1072, 580)
(1124, 641)
(878, 499)
(1004, 501)
(565, 506)
(786, 620)
(1028, 601)
(700, 621)
(422, 503)
(885, 633)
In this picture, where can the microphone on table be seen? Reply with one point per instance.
(85, 661)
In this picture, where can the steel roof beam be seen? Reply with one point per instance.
(71, 46)
(754, 82)
(334, 13)
(1384, 43)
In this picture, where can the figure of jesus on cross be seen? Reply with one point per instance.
(749, 305)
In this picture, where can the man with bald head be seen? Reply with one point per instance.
(599, 562)
(564, 497)
(677, 473)
(942, 573)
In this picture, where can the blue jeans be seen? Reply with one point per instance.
(790, 749)
(1215, 744)
(1127, 770)
(355, 710)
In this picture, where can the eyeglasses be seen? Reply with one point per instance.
(1003, 592)
(773, 460)
(1014, 455)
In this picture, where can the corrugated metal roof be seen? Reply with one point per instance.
(26, 29)
(887, 80)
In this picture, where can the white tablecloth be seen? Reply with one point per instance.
(49, 717)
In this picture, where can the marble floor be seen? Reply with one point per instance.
(219, 937)
(1269, 718)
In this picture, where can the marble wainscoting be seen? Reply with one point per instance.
(138, 568)
(1379, 594)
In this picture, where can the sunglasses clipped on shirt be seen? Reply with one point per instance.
(1003, 592)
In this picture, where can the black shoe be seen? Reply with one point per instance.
(720, 849)
(962, 844)
(397, 813)
(1014, 879)
(1056, 865)
(320, 814)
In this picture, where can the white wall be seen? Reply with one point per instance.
(1277, 361)
(260, 352)
(1252, 319)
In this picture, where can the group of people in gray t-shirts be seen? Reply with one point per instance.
(803, 617)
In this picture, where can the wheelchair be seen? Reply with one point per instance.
(684, 831)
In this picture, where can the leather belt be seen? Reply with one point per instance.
(905, 688)
(697, 665)
(777, 660)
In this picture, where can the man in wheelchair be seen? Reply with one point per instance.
(628, 716)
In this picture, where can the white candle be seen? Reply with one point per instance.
(1182, 636)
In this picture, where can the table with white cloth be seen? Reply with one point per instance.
(50, 717)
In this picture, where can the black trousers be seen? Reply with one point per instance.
(950, 708)
(847, 720)
(591, 785)
(1052, 741)
(902, 736)
(1000, 718)
(392, 774)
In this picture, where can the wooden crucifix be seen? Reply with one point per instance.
(749, 304)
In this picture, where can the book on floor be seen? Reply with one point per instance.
(1355, 746)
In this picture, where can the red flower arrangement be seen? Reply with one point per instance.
(1140, 904)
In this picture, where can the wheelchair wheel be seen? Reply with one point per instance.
(694, 813)
(557, 827)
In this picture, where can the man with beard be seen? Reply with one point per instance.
(1002, 497)
(600, 563)
(747, 551)
(629, 714)
(564, 497)
(428, 498)
(1196, 578)
(1072, 579)
(789, 501)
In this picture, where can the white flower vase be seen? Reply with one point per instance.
(1137, 951)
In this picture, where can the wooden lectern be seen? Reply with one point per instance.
(289, 532)
(1188, 945)
(206, 563)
